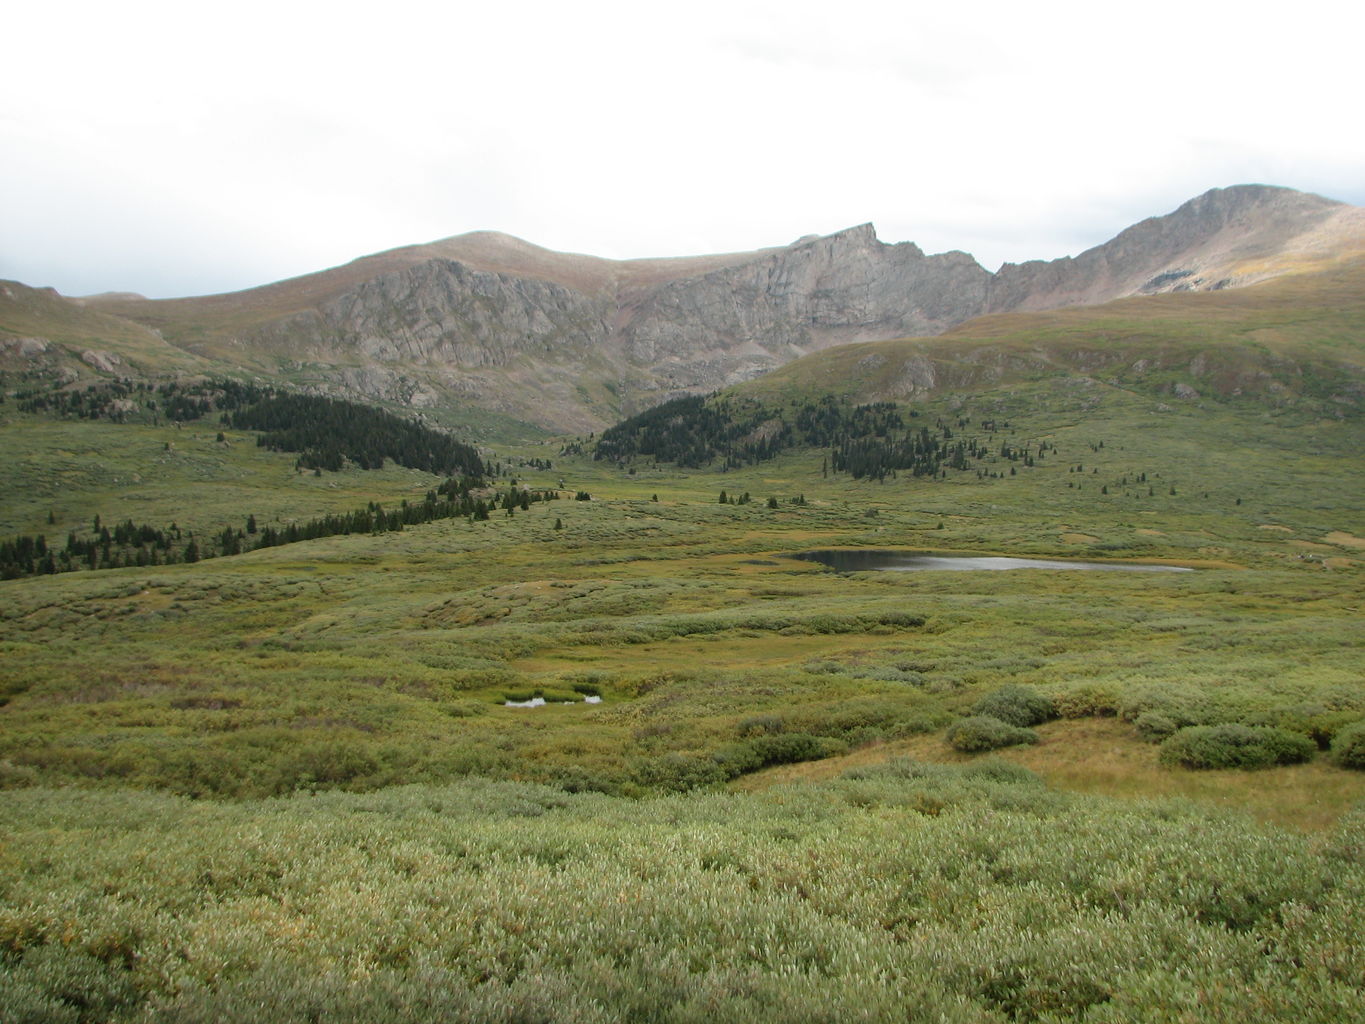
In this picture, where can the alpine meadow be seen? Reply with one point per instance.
(480, 633)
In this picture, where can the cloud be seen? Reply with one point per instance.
(163, 147)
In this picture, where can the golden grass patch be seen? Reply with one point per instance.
(1345, 539)
(1104, 757)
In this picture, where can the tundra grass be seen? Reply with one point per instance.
(367, 660)
(1099, 756)
(477, 876)
(57, 475)
(362, 661)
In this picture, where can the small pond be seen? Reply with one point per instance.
(907, 561)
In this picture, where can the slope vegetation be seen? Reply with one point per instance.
(46, 338)
(1291, 341)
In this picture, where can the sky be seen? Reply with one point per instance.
(184, 149)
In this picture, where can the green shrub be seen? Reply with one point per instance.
(775, 748)
(1154, 727)
(1234, 746)
(791, 747)
(737, 759)
(994, 769)
(862, 720)
(903, 620)
(1086, 702)
(574, 778)
(326, 763)
(760, 725)
(984, 732)
(56, 982)
(1348, 746)
(1016, 705)
(1183, 707)
(1318, 723)
(12, 775)
(678, 773)
(467, 708)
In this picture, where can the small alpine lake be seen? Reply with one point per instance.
(913, 561)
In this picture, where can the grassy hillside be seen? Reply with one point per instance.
(65, 332)
(1294, 340)
(289, 779)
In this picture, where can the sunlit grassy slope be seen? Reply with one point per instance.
(70, 470)
(40, 313)
(1268, 344)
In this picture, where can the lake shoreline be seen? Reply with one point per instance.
(846, 560)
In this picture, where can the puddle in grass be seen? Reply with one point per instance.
(904, 561)
(540, 702)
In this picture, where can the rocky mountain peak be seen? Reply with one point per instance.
(574, 341)
(1226, 237)
(864, 235)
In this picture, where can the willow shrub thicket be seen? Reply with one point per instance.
(977, 733)
(1017, 705)
(904, 892)
(1235, 746)
(1348, 747)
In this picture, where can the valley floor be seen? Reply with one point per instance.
(285, 784)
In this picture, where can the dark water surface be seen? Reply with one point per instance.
(903, 561)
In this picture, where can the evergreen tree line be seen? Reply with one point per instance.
(324, 431)
(690, 432)
(101, 400)
(122, 399)
(829, 421)
(328, 430)
(920, 453)
(693, 431)
(926, 452)
(128, 544)
(871, 440)
(125, 544)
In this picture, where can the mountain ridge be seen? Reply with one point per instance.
(572, 342)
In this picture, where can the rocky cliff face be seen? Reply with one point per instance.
(573, 342)
(445, 313)
(816, 293)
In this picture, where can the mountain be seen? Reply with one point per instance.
(45, 337)
(572, 342)
(1224, 238)
(1290, 342)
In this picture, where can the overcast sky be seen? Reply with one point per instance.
(176, 148)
